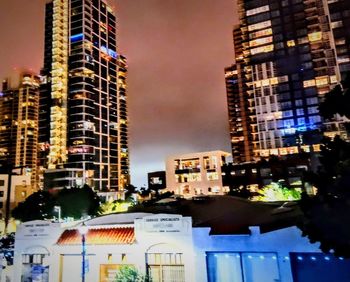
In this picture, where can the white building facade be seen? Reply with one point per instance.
(160, 245)
(196, 174)
(169, 249)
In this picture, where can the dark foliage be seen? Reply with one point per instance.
(78, 202)
(326, 215)
(337, 101)
(130, 189)
(74, 202)
(37, 206)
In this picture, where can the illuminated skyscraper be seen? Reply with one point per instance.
(286, 60)
(83, 96)
(19, 111)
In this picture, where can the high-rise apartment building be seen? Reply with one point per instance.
(83, 115)
(287, 59)
(339, 15)
(19, 112)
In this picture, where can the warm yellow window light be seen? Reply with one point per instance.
(260, 41)
(309, 83)
(315, 36)
(321, 80)
(260, 25)
(263, 49)
(290, 43)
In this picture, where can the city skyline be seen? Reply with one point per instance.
(159, 123)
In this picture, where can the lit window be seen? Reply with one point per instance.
(343, 59)
(288, 123)
(309, 83)
(260, 41)
(315, 119)
(260, 33)
(288, 113)
(300, 112)
(315, 36)
(333, 79)
(291, 43)
(264, 49)
(337, 24)
(312, 101)
(260, 25)
(312, 110)
(234, 266)
(301, 121)
(258, 10)
(322, 80)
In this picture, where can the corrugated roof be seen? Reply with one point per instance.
(100, 236)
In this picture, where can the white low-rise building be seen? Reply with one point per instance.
(241, 241)
(196, 174)
(158, 244)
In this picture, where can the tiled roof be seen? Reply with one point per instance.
(100, 236)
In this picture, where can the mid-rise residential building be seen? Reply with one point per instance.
(83, 108)
(196, 173)
(287, 170)
(11, 194)
(19, 112)
(156, 180)
(287, 58)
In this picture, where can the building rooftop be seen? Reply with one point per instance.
(229, 215)
(194, 154)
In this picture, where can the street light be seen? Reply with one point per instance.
(59, 210)
(83, 230)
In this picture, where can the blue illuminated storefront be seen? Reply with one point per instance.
(308, 267)
(278, 256)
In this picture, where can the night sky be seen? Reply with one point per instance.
(177, 51)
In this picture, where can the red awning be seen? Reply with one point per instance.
(100, 236)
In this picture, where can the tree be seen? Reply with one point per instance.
(128, 273)
(78, 202)
(116, 206)
(326, 215)
(37, 206)
(238, 185)
(74, 202)
(337, 101)
(129, 190)
(276, 192)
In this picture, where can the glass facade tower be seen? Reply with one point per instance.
(286, 61)
(82, 94)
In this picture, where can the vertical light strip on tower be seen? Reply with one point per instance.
(58, 132)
